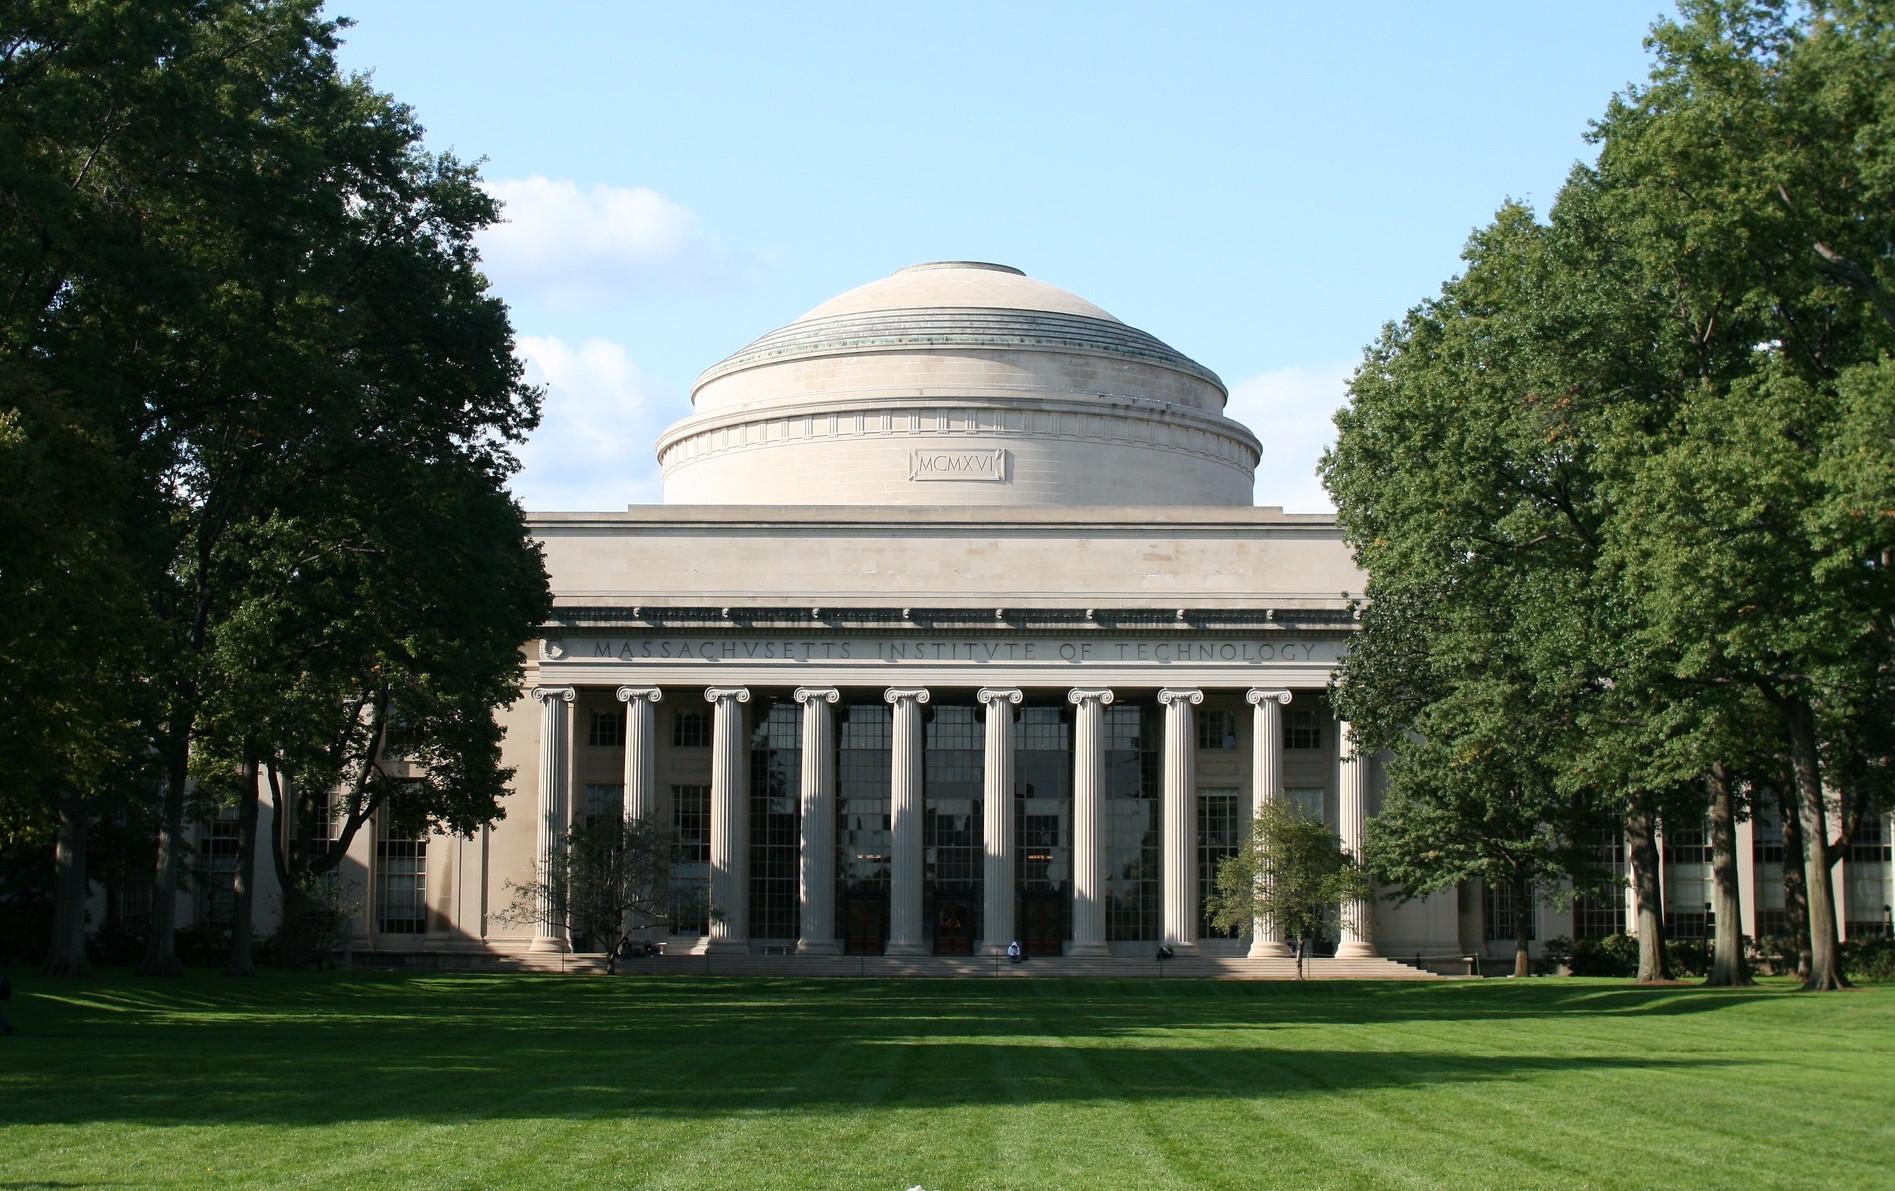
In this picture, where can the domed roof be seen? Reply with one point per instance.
(958, 383)
(957, 283)
(957, 304)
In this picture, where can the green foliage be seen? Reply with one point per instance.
(1292, 872)
(256, 415)
(1622, 490)
(605, 882)
(1872, 958)
(1613, 955)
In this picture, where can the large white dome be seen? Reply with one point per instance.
(958, 383)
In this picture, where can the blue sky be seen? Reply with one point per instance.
(1261, 186)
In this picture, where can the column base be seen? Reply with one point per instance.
(1078, 950)
(817, 947)
(990, 949)
(1356, 950)
(1267, 950)
(547, 943)
(1179, 948)
(907, 949)
(727, 947)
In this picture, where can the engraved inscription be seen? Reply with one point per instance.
(958, 465)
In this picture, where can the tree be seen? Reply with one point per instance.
(1751, 186)
(606, 881)
(1647, 439)
(1293, 871)
(262, 296)
(1460, 806)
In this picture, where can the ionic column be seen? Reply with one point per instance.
(905, 871)
(555, 798)
(1088, 821)
(817, 871)
(1266, 785)
(730, 821)
(1358, 923)
(641, 751)
(1178, 848)
(997, 812)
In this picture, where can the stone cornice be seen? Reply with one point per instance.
(982, 621)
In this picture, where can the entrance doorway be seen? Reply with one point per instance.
(954, 929)
(1043, 923)
(865, 925)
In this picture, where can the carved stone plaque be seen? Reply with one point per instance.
(950, 464)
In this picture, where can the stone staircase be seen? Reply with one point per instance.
(1195, 967)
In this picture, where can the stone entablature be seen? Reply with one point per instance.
(843, 559)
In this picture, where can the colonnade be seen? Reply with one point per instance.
(1178, 877)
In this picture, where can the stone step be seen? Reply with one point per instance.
(1050, 967)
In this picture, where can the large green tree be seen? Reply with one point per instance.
(260, 293)
(1640, 438)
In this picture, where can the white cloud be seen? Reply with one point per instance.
(571, 245)
(593, 449)
(1290, 410)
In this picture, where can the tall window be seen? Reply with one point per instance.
(1597, 915)
(1688, 843)
(600, 805)
(1132, 760)
(216, 893)
(1308, 801)
(691, 730)
(1217, 728)
(608, 728)
(776, 782)
(689, 896)
(1218, 840)
(954, 751)
(1497, 904)
(864, 745)
(1043, 809)
(1766, 834)
(1303, 728)
(401, 878)
(325, 827)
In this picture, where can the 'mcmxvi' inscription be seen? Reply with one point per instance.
(957, 465)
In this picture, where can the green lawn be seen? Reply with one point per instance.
(476, 1080)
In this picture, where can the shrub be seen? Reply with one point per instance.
(1872, 958)
(1614, 955)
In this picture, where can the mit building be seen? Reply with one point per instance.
(957, 626)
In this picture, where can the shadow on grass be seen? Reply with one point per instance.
(319, 1050)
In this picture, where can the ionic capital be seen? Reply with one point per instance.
(631, 694)
(546, 694)
(1255, 696)
(717, 694)
(997, 694)
(1179, 694)
(1081, 695)
(896, 694)
(827, 694)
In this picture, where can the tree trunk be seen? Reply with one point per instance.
(1641, 833)
(1727, 948)
(1825, 970)
(66, 952)
(244, 889)
(161, 950)
(1522, 926)
(1795, 892)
